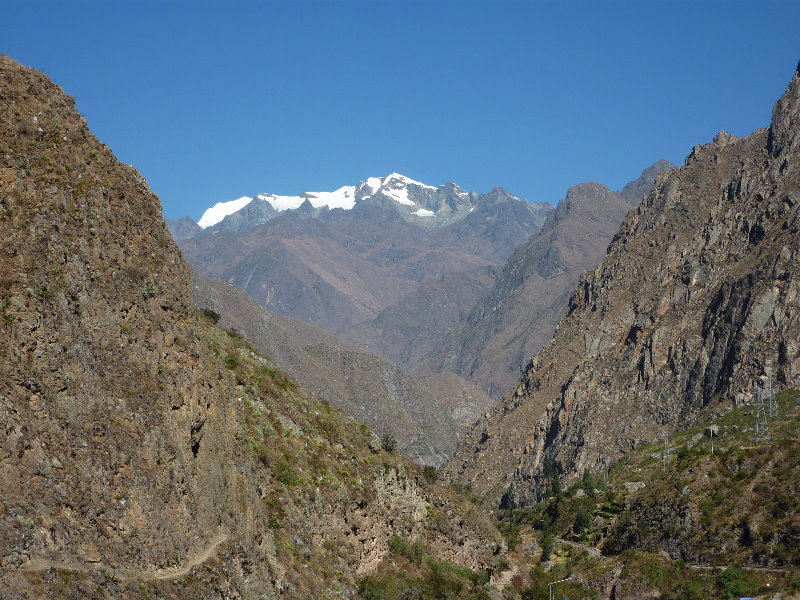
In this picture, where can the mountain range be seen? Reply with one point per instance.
(423, 294)
(514, 319)
(335, 268)
(148, 452)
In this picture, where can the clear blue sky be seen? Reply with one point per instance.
(215, 100)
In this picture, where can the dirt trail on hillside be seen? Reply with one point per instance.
(589, 549)
(745, 568)
(43, 564)
(179, 571)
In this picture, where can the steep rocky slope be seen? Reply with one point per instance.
(426, 416)
(697, 298)
(145, 452)
(519, 314)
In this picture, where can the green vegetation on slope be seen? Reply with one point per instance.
(696, 525)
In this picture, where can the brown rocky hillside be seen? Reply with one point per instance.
(696, 299)
(145, 452)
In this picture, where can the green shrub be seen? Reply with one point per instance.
(388, 443)
(440, 583)
(413, 551)
(231, 362)
(732, 583)
(212, 315)
(590, 483)
(234, 333)
(285, 473)
(431, 473)
(384, 587)
(552, 477)
(693, 589)
(583, 519)
(546, 542)
(274, 522)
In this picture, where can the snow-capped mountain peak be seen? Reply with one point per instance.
(344, 198)
(415, 201)
(394, 186)
(220, 210)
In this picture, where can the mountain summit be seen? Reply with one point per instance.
(337, 267)
(418, 203)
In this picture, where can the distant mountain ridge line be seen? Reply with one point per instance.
(337, 268)
(394, 187)
(376, 275)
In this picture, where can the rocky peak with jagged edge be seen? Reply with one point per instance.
(423, 205)
(695, 302)
(783, 131)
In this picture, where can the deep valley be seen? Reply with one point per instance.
(397, 391)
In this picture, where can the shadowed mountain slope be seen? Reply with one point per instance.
(425, 416)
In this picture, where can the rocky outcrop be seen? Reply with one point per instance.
(183, 228)
(116, 438)
(697, 298)
(519, 314)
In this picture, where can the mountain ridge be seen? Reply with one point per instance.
(335, 268)
(424, 205)
(678, 322)
(425, 416)
(515, 318)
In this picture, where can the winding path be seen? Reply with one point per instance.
(43, 564)
(589, 549)
(179, 571)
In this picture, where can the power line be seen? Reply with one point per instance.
(552, 597)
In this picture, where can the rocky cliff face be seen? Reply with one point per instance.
(519, 314)
(697, 298)
(143, 450)
(110, 407)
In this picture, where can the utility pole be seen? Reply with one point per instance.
(773, 403)
(552, 597)
(762, 423)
